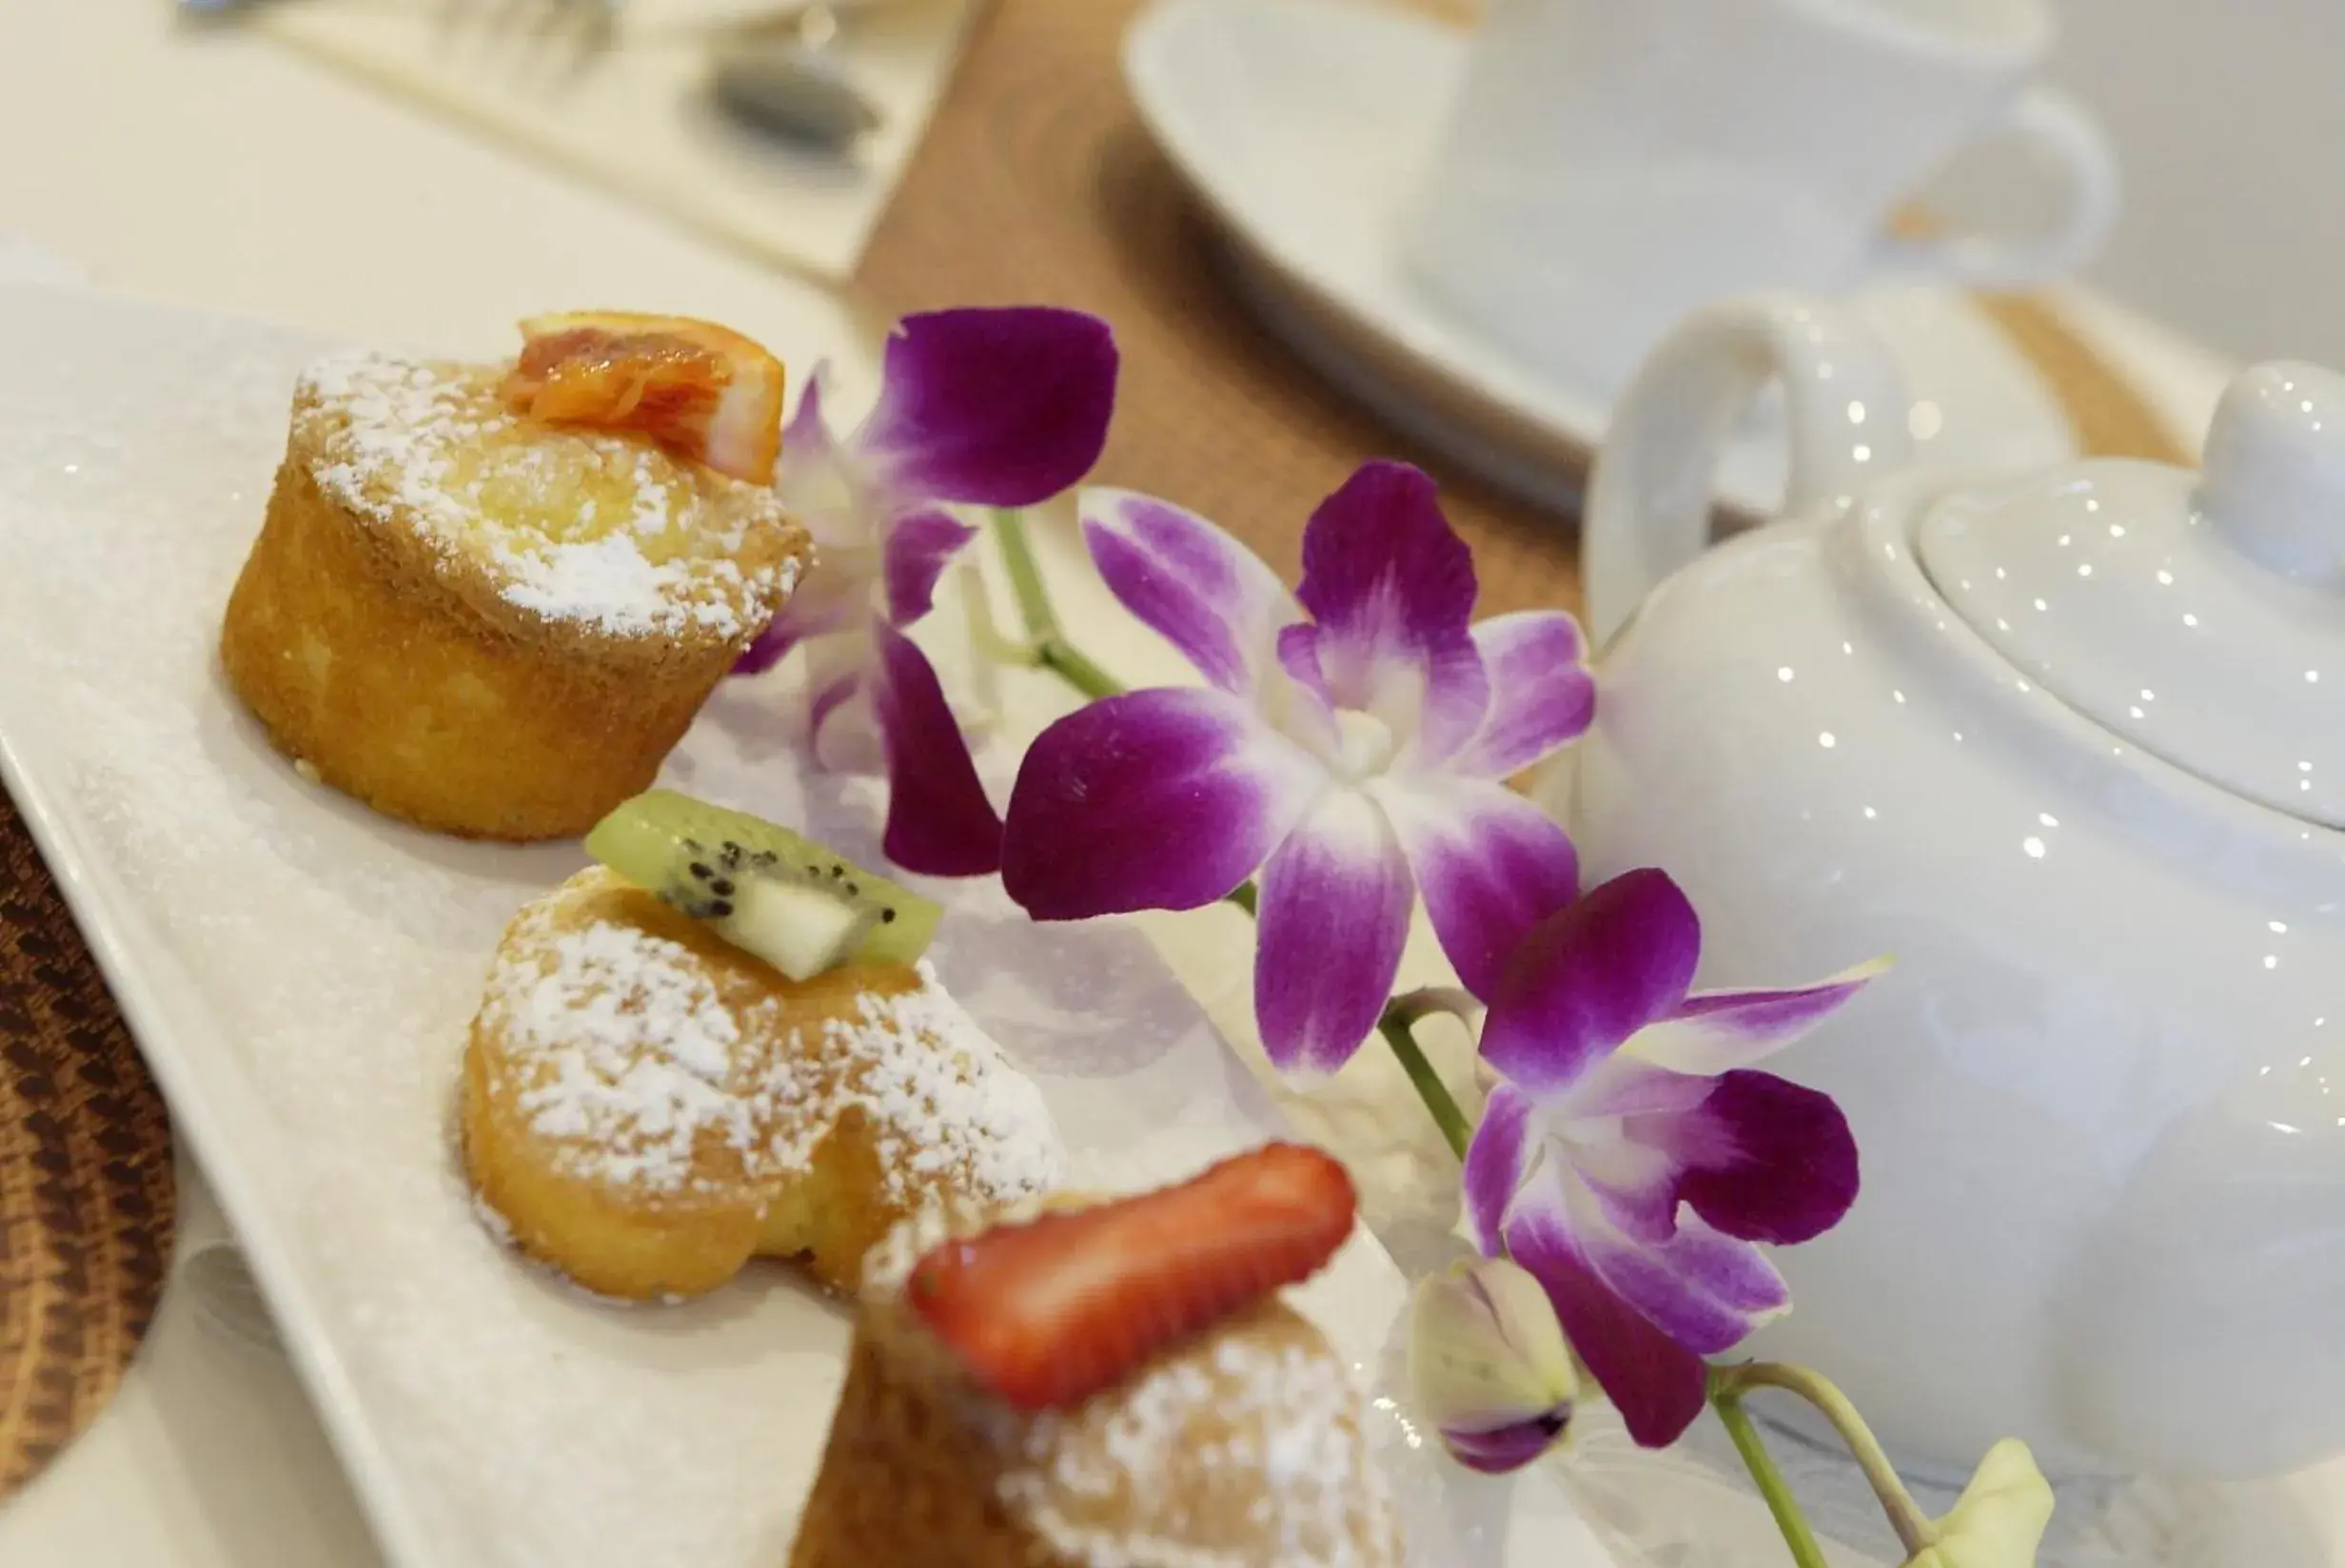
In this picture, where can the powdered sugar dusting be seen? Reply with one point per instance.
(630, 1059)
(948, 1109)
(1148, 1477)
(628, 1054)
(427, 445)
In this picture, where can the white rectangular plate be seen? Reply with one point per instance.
(300, 973)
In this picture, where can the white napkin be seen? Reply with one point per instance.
(649, 17)
(638, 114)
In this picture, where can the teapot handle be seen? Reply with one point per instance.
(1649, 499)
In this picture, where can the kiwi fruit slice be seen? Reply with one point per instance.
(762, 888)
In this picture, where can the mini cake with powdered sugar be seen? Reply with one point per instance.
(646, 1107)
(1106, 1385)
(488, 599)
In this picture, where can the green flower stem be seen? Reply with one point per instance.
(1439, 1103)
(1052, 651)
(1913, 1527)
(1034, 599)
(1064, 661)
(1805, 1552)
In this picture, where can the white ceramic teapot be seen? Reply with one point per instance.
(2071, 747)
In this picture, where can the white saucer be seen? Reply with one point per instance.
(1300, 124)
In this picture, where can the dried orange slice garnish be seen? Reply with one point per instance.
(701, 390)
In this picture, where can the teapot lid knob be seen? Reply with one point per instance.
(2273, 488)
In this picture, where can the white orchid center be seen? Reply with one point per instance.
(1364, 744)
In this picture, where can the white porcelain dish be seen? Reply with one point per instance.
(1301, 125)
(300, 972)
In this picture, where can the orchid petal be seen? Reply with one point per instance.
(843, 728)
(1765, 1159)
(1333, 916)
(808, 434)
(1643, 1207)
(1391, 587)
(769, 647)
(1190, 582)
(1587, 977)
(1658, 1385)
(816, 482)
(1622, 1084)
(1705, 1290)
(1001, 407)
(919, 546)
(1295, 694)
(1491, 866)
(1541, 692)
(1298, 655)
(1157, 799)
(826, 700)
(1506, 1448)
(826, 600)
(1715, 1031)
(1634, 1181)
(939, 821)
(1497, 1163)
(849, 740)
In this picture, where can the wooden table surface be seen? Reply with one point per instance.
(1037, 183)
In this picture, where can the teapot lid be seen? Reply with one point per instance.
(2201, 616)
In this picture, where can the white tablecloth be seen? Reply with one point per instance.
(212, 170)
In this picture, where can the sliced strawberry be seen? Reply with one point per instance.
(701, 389)
(1047, 1313)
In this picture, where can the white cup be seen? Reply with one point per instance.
(1611, 165)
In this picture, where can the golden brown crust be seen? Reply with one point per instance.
(397, 666)
(902, 1482)
(388, 479)
(924, 1467)
(787, 1146)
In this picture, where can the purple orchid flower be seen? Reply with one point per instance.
(1631, 1159)
(1352, 741)
(1002, 408)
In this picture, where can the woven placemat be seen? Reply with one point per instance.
(1038, 183)
(86, 1195)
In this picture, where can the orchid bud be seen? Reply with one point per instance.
(1999, 1522)
(1488, 1366)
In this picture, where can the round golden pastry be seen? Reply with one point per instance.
(645, 1107)
(1242, 1447)
(486, 625)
